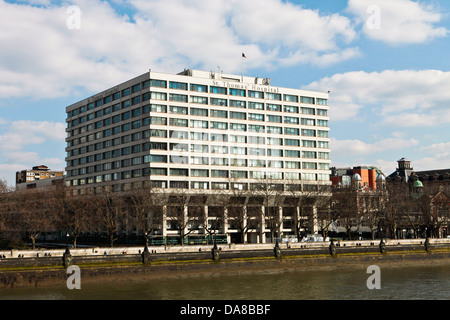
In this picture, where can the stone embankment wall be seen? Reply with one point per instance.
(30, 267)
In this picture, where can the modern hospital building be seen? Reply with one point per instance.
(203, 133)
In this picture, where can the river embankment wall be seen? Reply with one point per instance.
(39, 267)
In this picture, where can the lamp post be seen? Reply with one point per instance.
(67, 257)
(146, 253)
(427, 242)
(277, 249)
(382, 244)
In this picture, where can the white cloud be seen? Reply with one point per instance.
(359, 148)
(403, 98)
(398, 22)
(46, 59)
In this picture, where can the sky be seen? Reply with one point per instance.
(385, 63)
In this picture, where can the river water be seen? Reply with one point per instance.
(344, 283)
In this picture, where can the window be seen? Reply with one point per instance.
(273, 96)
(309, 165)
(158, 83)
(257, 151)
(202, 148)
(323, 144)
(200, 160)
(219, 149)
(274, 152)
(324, 155)
(199, 88)
(178, 97)
(308, 132)
(276, 130)
(199, 173)
(158, 121)
(308, 122)
(219, 161)
(155, 158)
(178, 122)
(273, 107)
(237, 92)
(292, 153)
(275, 141)
(199, 100)
(179, 172)
(292, 131)
(257, 163)
(292, 175)
(322, 134)
(238, 150)
(309, 100)
(238, 115)
(238, 127)
(156, 133)
(158, 96)
(218, 90)
(219, 137)
(155, 108)
(199, 136)
(199, 112)
(291, 109)
(322, 112)
(308, 143)
(255, 117)
(322, 123)
(199, 185)
(256, 94)
(291, 120)
(219, 114)
(310, 111)
(238, 162)
(256, 140)
(309, 176)
(178, 110)
(237, 104)
(255, 105)
(238, 139)
(238, 174)
(292, 142)
(178, 85)
(199, 124)
(219, 173)
(219, 185)
(292, 164)
(322, 102)
(309, 154)
(290, 98)
(218, 102)
(181, 147)
(219, 125)
(256, 128)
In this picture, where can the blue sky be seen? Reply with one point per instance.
(384, 61)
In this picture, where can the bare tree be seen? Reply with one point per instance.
(111, 212)
(345, 208)
(145, 206)
(34, 214)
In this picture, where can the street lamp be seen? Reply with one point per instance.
(382, 244)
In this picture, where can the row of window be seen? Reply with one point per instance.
(199, 99)
(196, 112)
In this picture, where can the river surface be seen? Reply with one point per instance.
(409, 282)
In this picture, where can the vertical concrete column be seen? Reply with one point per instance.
(164, 221)
(280, 219)
(225, 224)
(262, 228)
(185, 221)
(314, 220)
(245, 214)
